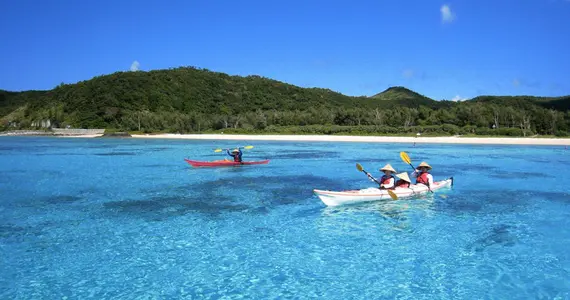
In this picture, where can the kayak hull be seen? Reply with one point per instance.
(223, 163)
(332, 198)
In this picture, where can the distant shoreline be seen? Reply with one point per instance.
(373, 139)
(341, 138)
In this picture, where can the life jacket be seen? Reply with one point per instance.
(402, 183)
(237, 157)
(386, 179)
(423, 178)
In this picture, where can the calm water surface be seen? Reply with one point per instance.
(129, 219)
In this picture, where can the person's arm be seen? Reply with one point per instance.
(430, 179)
(415, 173)
(373, 180)
(228, 152)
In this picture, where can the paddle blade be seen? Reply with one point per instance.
(392, 195)
(404, 156)
(218, 150)
(359, 167)
(248, 147)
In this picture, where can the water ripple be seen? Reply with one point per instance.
(84, 221)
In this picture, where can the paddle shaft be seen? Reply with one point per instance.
(371, 177)
(227, 149)
(392, 194)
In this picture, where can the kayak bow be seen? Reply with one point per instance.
(332, 198)
(223, 163)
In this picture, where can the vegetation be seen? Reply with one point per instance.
(188, 99)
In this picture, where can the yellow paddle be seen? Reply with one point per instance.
(245, 147)
(392, 194)
(404, 156)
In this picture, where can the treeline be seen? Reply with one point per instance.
(190, 100)
(432, 130)
(468, 118)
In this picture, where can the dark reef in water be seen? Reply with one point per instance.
(116, 134)
(500, 235)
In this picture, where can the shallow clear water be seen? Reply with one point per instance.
(129, 219)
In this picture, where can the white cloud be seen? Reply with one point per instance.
(523, 82)
(135, 66)
(447, 16)
(458, 98)
(408, 73)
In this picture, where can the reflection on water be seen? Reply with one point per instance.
(259, 232)
(396, 215)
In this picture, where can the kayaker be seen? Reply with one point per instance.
(387, 180)
(422, 174)
(404, 181)
(236, 154)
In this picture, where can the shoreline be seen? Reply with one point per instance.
(530, 141)
(368, 139)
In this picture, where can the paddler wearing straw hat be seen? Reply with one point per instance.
(387, 180)
(236, 154)
(404, 181)
(422, 174)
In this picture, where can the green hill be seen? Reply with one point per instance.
(10, 101)
(401, 96)
(557, 103)
(189, 99)
(398, 92)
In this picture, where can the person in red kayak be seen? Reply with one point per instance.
(387, 180)
(404, 181)
(236, 154)
(422, 174)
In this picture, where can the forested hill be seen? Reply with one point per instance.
(194, 100)
(401, 96)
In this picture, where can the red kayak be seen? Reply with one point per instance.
(224, 163)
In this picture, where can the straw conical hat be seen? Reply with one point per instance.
(388, 167)
(404, 176)
(424, 164)
(235, 150)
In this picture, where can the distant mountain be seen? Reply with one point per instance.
(189, 89)
(398, 92)
(402, 96)
(190, 99)
(556, 103)
(10, 101)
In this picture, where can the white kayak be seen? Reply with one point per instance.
(332, 198)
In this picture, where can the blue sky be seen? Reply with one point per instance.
(444, 50)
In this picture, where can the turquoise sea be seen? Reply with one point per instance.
(129, 219)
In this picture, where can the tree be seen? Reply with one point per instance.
(190, 99)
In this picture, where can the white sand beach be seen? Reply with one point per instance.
(376, 139)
